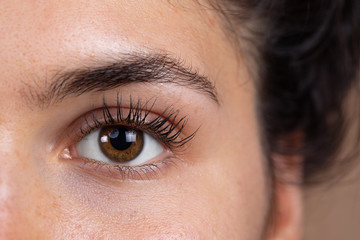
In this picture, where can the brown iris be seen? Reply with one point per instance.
(120, 144)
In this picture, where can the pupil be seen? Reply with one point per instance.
(119, 138)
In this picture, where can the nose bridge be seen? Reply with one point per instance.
(15, 168)
(7, 199)
(9, 187)
(4, 189)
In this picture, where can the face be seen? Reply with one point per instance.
(126, 120)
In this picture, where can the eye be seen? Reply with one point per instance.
(130, 142)
(119, 145)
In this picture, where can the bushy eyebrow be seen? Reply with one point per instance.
(130, 68)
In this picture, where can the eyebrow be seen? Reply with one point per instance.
(129, 69)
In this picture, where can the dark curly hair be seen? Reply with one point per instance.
(308, 55)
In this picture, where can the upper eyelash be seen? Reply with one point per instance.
(167, 127)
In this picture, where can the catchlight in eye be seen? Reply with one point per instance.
(120, 144)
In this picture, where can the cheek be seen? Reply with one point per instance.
(139, 214)
(196, 204)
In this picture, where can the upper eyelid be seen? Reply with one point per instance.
(166, 126)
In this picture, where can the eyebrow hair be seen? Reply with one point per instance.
(130, 68)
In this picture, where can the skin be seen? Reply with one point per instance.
(219, 188)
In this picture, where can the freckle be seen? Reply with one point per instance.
(132, 215)
(212, 21)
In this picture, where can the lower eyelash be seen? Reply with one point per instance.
(123, 172)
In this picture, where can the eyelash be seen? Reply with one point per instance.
(166, 128)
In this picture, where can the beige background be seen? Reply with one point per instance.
(332, 211)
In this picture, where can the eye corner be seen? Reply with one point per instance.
(65, 154)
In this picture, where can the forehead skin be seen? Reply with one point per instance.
(219, 194)
(75, 27)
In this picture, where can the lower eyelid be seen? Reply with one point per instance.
(115, 172)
